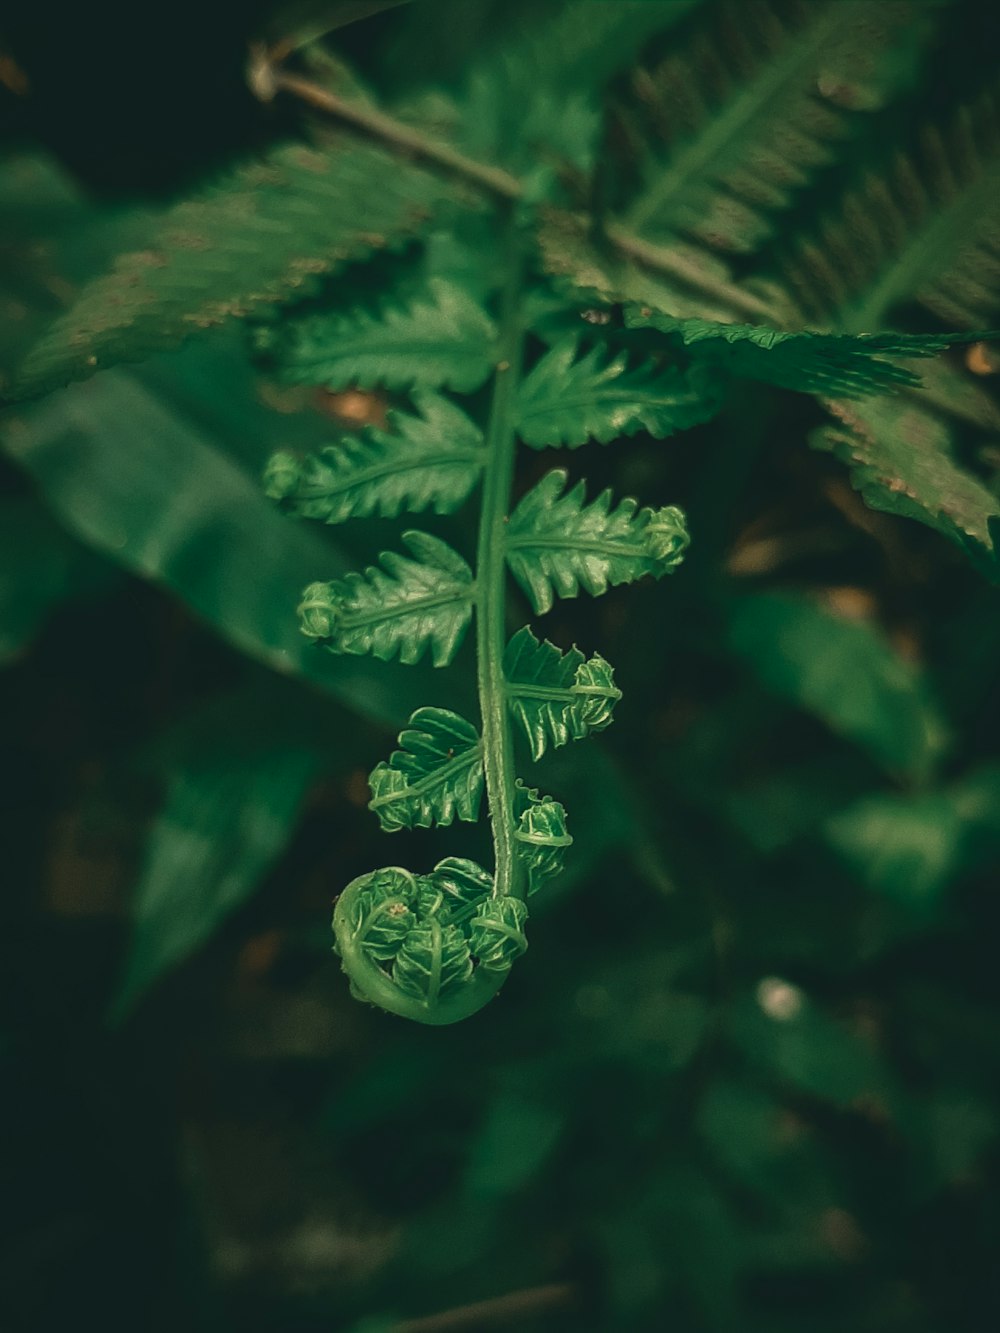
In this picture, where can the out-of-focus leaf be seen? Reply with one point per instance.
(146, 481)
(249, 241)
(224, 824)
(512, 1146)
(911, 847)
(801, 1047)
(40, 566)
(901, 460)
(846, 673)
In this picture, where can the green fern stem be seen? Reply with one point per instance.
(491, 584)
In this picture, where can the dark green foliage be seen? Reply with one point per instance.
(738, 257)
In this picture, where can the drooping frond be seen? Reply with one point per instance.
(441, 338)
(922, 226)
(901, 460)
(836, 364)
(404, 608)
(427, 461)
(541, 834)
(250, 240)
(751, 106)
(557, 697)
(435, 777)
(570, 398)
(556, 544)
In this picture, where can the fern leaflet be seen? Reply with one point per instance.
(569, 398)
(556, 544)
(435, 777)
(403, 608)
(430, 461)
(557, 697)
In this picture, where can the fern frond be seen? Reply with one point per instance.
(435, 777)
(570, 398)
(252, 239)
(541, 835)
(557, 697)
(441, 338)
(924, 226)
(556, 544)
(403, 608)
(836, 364)
(429, 461)
(751, 107)
(901, 460)
(434, 962)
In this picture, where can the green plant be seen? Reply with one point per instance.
(599, 347)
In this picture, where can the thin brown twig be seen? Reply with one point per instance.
(515, 1304)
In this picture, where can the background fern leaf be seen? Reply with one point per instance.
(922, 225)
(900, 459)
(435, 777)
(439, 338)
(430, 461)
(557, 697)
(841, 365)
(751, 106)
(250, 240)
(569, 398)
(556, 544)
(404, 608)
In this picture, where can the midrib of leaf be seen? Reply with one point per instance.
(561, 694)
(694, 160)
(392, 469)
(569, 542)
(637, 398)
(491, 578)
(409, 608)
(438, 778)
(920, 260)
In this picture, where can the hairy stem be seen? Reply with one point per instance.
(491, 581)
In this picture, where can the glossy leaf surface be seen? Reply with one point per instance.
(557, 697)
(436, 776)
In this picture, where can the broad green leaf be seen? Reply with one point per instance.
(40, 567)
(404, 608)
(834, 364)
(224, 824)
(541, 834)
(556, 544)
(569, 398)
(512, 1145)
(911, 847)
(901, 459)
(430, 461)
(557, 697)
(845, 672)
(434, 962)
(140, 466)
(439, 339)
(250, 240)
(435, 777)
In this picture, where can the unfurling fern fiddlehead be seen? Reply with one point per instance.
(436, 947)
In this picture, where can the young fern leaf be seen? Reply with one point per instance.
(556, 544)
(435, 947)
(556, 697)
(435, 777)
(430, 461)
(402, 609)
(833, 364)
(541, 835)
(570, 398)
(442, 338)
